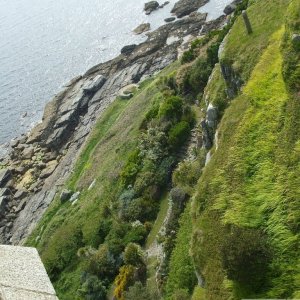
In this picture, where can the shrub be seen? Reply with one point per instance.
(212, 54)
(62, 248)
(141, 209)
(199, 75)
(137, 291)
(171, 108)
(102, 263)
(179, 134)
(123, 281)
(92, 288)
(246, 257)
(137, 234)
(131, 168)
(133, 255)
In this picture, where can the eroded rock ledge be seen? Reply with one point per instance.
(39, 163)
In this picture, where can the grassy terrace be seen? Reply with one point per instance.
(244, 241)
(242, 50)
(66, 227)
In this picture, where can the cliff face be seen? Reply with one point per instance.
(245, 237)
(186, 185)
(40, 162)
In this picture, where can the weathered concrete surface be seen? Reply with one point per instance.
(23, 276)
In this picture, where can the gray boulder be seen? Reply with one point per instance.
(5, 176)
(28, 153)
(94, 85)
(49, 169)
(65, 195)
(74, 197)
(150, 7)
(5, 192)
(230, 8)
(3, 202)
(185, 7)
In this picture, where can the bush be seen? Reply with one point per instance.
(141, 209)
(131, 168)
(137, 291)
(246, 257)
(123, 281)
(62, 248)
(212, 54)
(179, 134)
(199, 75)
(102, 263)
(92, 288)
(133, 255)
(171, 108)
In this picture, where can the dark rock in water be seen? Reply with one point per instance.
(164, 4)
(230, 8)
(142, 28)
(171, 19)
(150, 7)
(5, 176)
(185, 7)
(128, 49)
(65, 195)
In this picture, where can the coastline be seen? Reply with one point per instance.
(39, 163)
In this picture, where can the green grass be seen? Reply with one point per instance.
(103, 125)
(245, 185)
(164, 205)
(181, 269)
(64, 228)
(243, 50)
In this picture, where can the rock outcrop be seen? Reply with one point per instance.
(39, 163)
(142, 28)
(185, 7)
(150, 7)
(230, 8)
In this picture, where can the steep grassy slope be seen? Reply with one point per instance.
(246, 212)
(240, 236)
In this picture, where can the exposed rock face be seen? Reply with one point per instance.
(65, 195)
(150, 7)
(209, 126)
(142, 28)
(69, 117)
(126, 50)
(5, 176)
(185, 7)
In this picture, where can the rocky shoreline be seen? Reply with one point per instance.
(38, 163)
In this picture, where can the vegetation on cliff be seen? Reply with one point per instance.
(231, 228)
